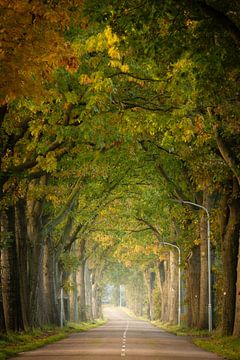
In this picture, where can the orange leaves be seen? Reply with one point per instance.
(33, 45)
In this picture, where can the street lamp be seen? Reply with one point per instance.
(179, 279)
(209, 261)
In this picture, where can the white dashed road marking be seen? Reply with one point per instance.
(123, 352)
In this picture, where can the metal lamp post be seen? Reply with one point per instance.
(179, 278)
(209, 262)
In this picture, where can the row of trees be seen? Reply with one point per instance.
(109, 113)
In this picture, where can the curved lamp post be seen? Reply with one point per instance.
(209, 261)
(179, 278)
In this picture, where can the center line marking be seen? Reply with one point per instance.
(123, 353)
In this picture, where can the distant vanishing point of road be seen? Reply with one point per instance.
(122, 337)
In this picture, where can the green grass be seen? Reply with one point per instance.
(13, 343)
(228, 347)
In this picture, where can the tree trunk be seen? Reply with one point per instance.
(149, 281)
(82, 292)
(75, 298)
(37, 311)
(173, 288)
(160, 287)
(22, 254)
(88, 292)
(2, 321)
(230, 247)
(203, 303)
(193, 289)
(236, 331)
(9, 273)
(164, 279)
(96, 278)
(50, 287)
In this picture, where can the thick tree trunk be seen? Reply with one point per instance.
(96, 278)
(75, 309)
(88, 292)
(230, 247)
(37, 310)
(173, 288)
(236, 331)
(149, 282)
(22, 254)
(203, 303)
(164, 276)
(160, 288)
(50, 286)
(2, 321)
(67, 308)
(193, 287)
(82, 292)
(9, 275)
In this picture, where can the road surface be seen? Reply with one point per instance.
(121, 338)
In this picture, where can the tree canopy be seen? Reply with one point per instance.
(111, 114)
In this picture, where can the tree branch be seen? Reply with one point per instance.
(227, 156)
(153, 228)
(222, 19)
(67, 208)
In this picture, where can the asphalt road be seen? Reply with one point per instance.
(122, 337)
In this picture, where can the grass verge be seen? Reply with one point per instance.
(228, 347)
(13, 343)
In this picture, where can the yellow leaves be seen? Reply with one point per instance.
(78, 47)
(182, 64)
(185, 129)
(187, 135)
(138, 249)
(103, 41)
(91, 44)
(36, 128)
(110, 37)
(118, 65)
(197, 242)
(106, 41)
(47, 163)
(114, 53)
(191, 23)
(84, 79)
(114, 63)
(124, 68)
(54, 198)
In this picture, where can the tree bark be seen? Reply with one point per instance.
(50, 285)
(82, 292)
(36, 309)
(236, 331)
(193, 287)
(22, 254)
(164, 279)
(227, 155)
(2, 321)
(230, 245)
(203, 300)
(9, 275)
(149, 282)
(173, 288)
(88, 292)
